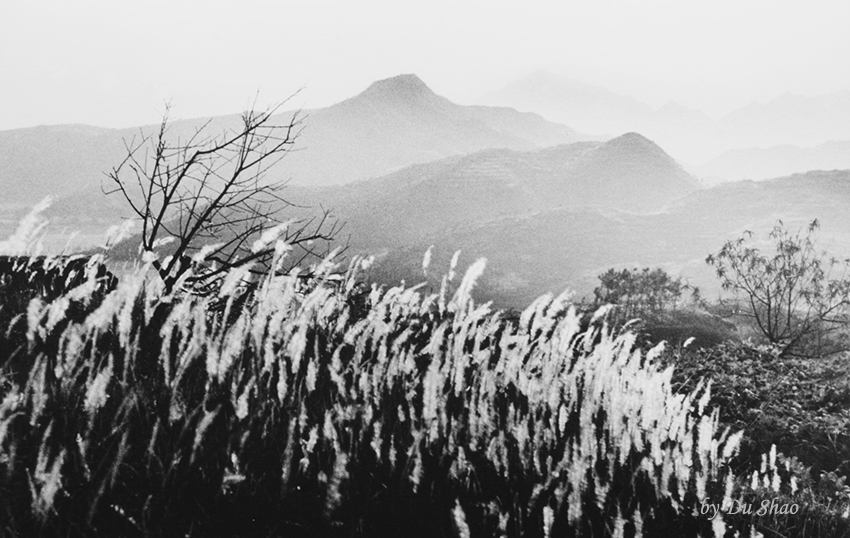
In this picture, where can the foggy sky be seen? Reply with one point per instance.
(114, 64)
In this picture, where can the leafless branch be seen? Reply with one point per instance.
(212, 190)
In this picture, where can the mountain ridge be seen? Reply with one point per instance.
(561, 248)
(629, 173)
(393, 123)
(688, 133)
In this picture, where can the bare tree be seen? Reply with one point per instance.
(209, 197)
(797, 295)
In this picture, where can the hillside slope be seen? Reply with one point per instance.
(400, 121)
(629, 173)
(568, 247)
(393, 123)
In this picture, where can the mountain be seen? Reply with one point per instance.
(589, 108)
(689, 134)
(775, 161)
(400, 121)
(628, 173)
(58, 160)
(453, 202)
(393, 123)
(556, 218)
(564, 248)
(545, 219)
(685, 132)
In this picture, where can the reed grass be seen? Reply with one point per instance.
(298, 413)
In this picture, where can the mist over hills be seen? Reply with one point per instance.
(393, 123)
(629, 173)
(775, 161)
(550, 219)
(790, 119)
(400, 121)
(539, 216)
(591, 108)
(546, 220)
(55, 160)
(550, 208)
(567, 248)
(689, 134)
(684, 132)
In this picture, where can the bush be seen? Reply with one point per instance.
(638, 293)
(647, 303)
(797, 296)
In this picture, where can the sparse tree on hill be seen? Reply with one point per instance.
(209, 197)
(797, 296)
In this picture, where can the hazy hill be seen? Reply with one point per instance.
(455, 202)
(400, 121)
(629, 173)
(57, 160)
(775, 161)
(589, 108)
(566, 248)
(553, 219)
(393, 123)
(546, 219)
(686, 133)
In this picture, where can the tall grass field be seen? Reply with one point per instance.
(323, 410)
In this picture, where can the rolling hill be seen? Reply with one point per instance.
(568, 247)
(689, 134)
(548, 212)
(478, 202)
(629, 173)
(55, 160)
(393, 123)
(685, 132)
(400, 121)
(589, 108)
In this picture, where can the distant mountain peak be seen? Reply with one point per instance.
(633, 141)
(638, 146)
(634, 158)
(633, 136)
(399, 87)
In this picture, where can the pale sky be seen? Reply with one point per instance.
(114, 64)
